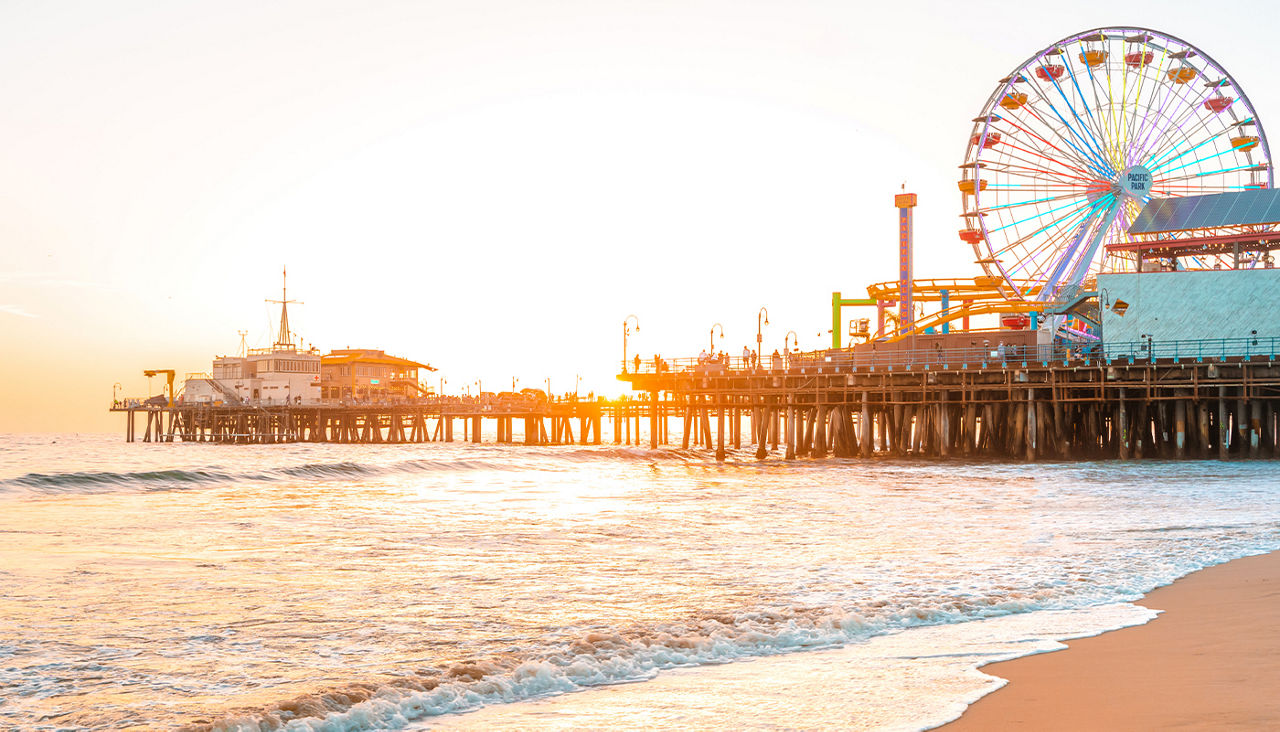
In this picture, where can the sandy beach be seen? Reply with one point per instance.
(1210, 661)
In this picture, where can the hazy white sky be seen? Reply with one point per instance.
(490, 187)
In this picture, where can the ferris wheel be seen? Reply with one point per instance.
(1073, 143)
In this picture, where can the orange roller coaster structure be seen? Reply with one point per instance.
(1016, 304)
(958, 300)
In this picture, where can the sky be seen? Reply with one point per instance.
(490, 187)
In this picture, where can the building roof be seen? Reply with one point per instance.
(1216, 210)
(369, 356)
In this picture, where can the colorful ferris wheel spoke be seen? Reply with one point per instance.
(1084, 101)
(1050, 231)
(1059, 155)
(1189, 122)
(1081, 140)
(1060, 161)
(1074, 142)
(1072, 230)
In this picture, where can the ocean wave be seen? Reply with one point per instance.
(592, 659)
(185, 479)
(88, 481)
(178, 479)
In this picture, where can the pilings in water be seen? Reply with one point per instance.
(553, 424)
(1043, 410)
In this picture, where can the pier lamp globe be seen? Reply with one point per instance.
(713, 337)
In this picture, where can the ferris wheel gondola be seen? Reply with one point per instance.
(1077, 139)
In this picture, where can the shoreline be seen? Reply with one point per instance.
(1211, 659)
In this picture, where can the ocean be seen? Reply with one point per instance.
(456, 586)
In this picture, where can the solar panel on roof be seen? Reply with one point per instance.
(1260, 209)
(1242, 208)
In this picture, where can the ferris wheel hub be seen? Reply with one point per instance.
(1135, 182)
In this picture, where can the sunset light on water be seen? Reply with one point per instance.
(233, 587)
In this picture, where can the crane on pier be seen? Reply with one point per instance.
(169, 374)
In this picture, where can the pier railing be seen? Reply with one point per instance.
(999, 356)
(952, 358)
(1217, 349)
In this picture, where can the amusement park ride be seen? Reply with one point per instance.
(1073, 168)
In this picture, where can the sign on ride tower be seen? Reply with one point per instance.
(905, 202)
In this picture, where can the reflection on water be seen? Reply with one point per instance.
(360, 586)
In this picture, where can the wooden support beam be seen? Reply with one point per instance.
(653, 419)
(820, 432)
(864, 439)
(1224, 425)
(720, 432)
(791, 432)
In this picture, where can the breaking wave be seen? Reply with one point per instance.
(592, 659)
(180, 479)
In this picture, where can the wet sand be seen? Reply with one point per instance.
(1210, 661)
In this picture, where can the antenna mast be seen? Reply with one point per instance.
(283, 340)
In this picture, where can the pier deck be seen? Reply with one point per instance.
(1044, 403)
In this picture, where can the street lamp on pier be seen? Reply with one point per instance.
(759, 332)
(626, 331)
(114, 389)
(713, 337)
(577, 379)
(786, 351)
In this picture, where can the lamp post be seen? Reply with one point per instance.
(513, 384)
(626, 331)
(786, 352)
(577, 379)
(713, 337)
(443, 381)
(115, 388)
(759, 332)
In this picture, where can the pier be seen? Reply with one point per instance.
(1154, 400)
(432, 419)
(1140, 400)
